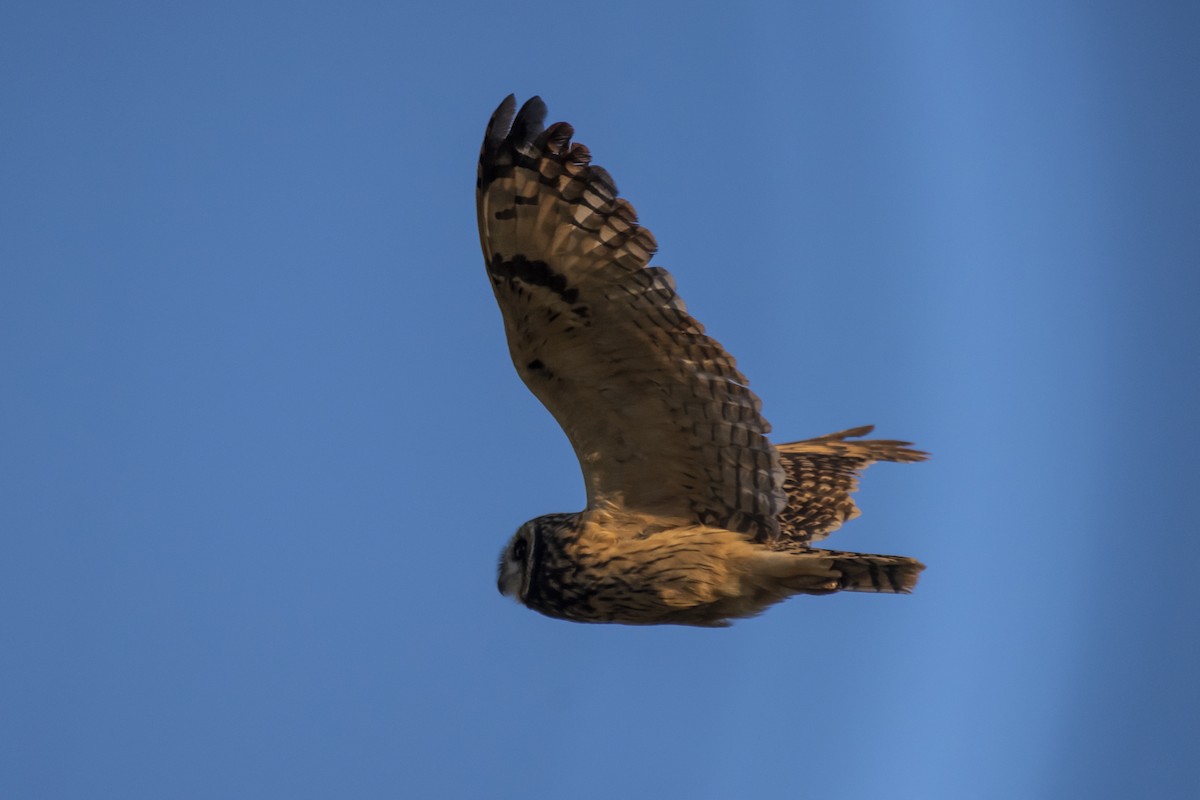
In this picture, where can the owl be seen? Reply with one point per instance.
(693, 516)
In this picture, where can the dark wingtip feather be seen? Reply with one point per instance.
(528, 124)
(501, 120)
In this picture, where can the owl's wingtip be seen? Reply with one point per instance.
(501, 120)
(529, 122)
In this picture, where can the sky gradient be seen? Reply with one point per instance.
(261, 442)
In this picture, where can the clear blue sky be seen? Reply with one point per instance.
(260, 440)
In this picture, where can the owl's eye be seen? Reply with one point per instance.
(520, 550)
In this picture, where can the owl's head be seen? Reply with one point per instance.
(533, 552)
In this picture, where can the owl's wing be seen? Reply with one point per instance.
(822, 474)
(659, 415)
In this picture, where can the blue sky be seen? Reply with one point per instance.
(260, 440)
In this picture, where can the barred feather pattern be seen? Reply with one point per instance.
(659, 415)
(822, 474)
(860, 572)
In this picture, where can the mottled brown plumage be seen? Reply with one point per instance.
(823, 472)
(693, 516)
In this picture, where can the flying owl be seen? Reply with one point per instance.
(693, 517)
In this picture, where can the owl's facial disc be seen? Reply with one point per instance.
(512, 577)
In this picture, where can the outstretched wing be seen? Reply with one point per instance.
(822, 474)
(659, 415)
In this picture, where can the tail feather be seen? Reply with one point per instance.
(814, 571)
(863, 572)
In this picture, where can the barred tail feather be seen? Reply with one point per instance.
(863, 572)
(814, 571)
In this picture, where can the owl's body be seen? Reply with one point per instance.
(693, 516)
(618, 566)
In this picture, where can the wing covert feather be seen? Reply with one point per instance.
(659, 415)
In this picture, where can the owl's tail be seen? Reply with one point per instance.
(815, 571)
(863, 572)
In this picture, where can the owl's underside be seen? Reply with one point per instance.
(693, 516)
